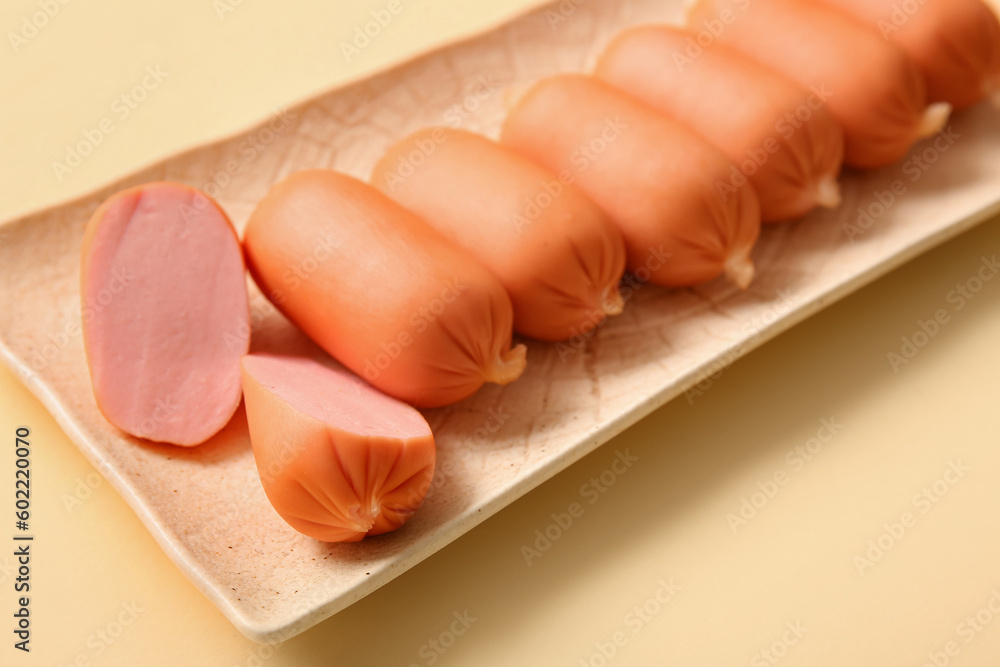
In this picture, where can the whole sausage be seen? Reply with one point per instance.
(380, 290)
(780, 135)
(956, 43)
(873, 90)
(667, 189)
(554, 250)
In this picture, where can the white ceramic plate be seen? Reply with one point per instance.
(205, 506)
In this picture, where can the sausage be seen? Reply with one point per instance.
(165, 312)
(782, 137)
(873, 90)
(955, 43)
(665, 187)
(554, 250)
(337, 459)
(380, 290)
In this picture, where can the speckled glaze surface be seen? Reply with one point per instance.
(205, 505)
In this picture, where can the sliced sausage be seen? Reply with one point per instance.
(165, 313)
(337, 459)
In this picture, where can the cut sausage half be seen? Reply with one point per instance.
(337, 458)
(165, 312)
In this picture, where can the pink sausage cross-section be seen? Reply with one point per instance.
(165, 313)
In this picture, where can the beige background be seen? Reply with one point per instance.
(664, 519)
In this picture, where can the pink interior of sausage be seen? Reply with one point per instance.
(335, 397)
(165, 313)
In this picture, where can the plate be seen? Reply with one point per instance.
(205, 505)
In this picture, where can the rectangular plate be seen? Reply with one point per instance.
(205, 505)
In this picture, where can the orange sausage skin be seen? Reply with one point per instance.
(554, 250)
(873, 90)
(782, 137)
(380, 290)
(665, 187)
(956, 44)
(337, 459)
